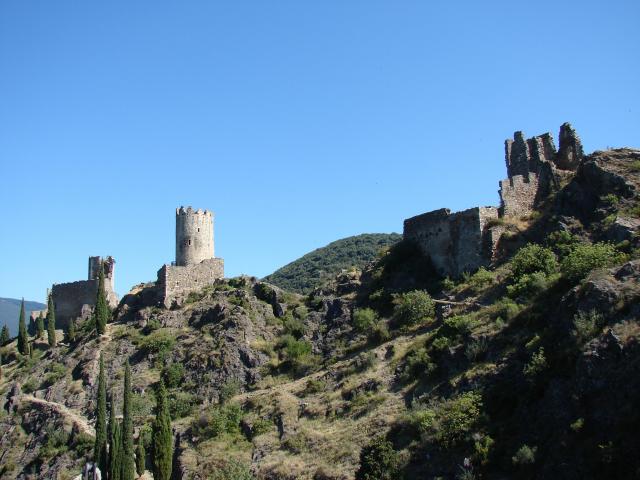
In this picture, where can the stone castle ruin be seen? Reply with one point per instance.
(465, 241)
(75, 300)
(195, 265)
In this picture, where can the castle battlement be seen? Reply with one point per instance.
(190, 211)
(464, 241)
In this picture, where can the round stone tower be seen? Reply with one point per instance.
(194, 236)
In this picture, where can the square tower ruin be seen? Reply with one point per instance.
(75, 300)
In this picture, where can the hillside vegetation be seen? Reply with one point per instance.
(527, 369)
(314, 268)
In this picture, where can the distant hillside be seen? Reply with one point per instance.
(10, 310)
(305, 273)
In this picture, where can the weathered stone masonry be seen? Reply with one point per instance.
(455, 242)
(195, 265)
(464, 241)
(76, 299)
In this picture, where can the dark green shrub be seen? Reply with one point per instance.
(141, 405)
(413, 308)
(450, 422)
(525, 455)
(585, 258)
(218, 420)
(364, 319)
(482, 279)
(315, 386)
(476, 348)
(378, 461)
(561, 242)
(82, 444)
(56, 443)
(173, 374)
(379, 333)
(160, 342)
(533, 258)
(261, 426)
(587, 325)
(417, 363)
(530, 285)
(230, 389)
(461, 324)
(537, 365)
(296, 349)
(232, 470)
(293, 326)
(181, 404)
(301, 312)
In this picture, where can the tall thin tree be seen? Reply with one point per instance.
(100, 446)
(40, 325)
(140, 455)
(102, 311)
(162, 442)
(51, 323)
(128, 463)
(4, 336)
(23, 336)
(115, 443)
(71, 331)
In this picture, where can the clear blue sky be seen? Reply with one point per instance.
(296, 122)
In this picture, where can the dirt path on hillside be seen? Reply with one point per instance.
(78, 420)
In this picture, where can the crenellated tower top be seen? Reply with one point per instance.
(194, 236)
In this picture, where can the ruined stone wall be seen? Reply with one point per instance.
(75, 299)
(194, 236)
(108, 265)
(177, 281)
(69, 298)
(467, 234)
(534, 168)
(431, 232)
(518, 195)
(455, 243)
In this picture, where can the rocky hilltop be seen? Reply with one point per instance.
(526, 367)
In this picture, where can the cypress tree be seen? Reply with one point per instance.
(162, 452)
(140, 454)
(40, 326)
(30, 349)
(128, 463)
(115, 461)
(102, 312)
(100, 446)
(31, 329)
(71, 331)
(0, 365)
(4, 336)
(51, 323)
(23, 337)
